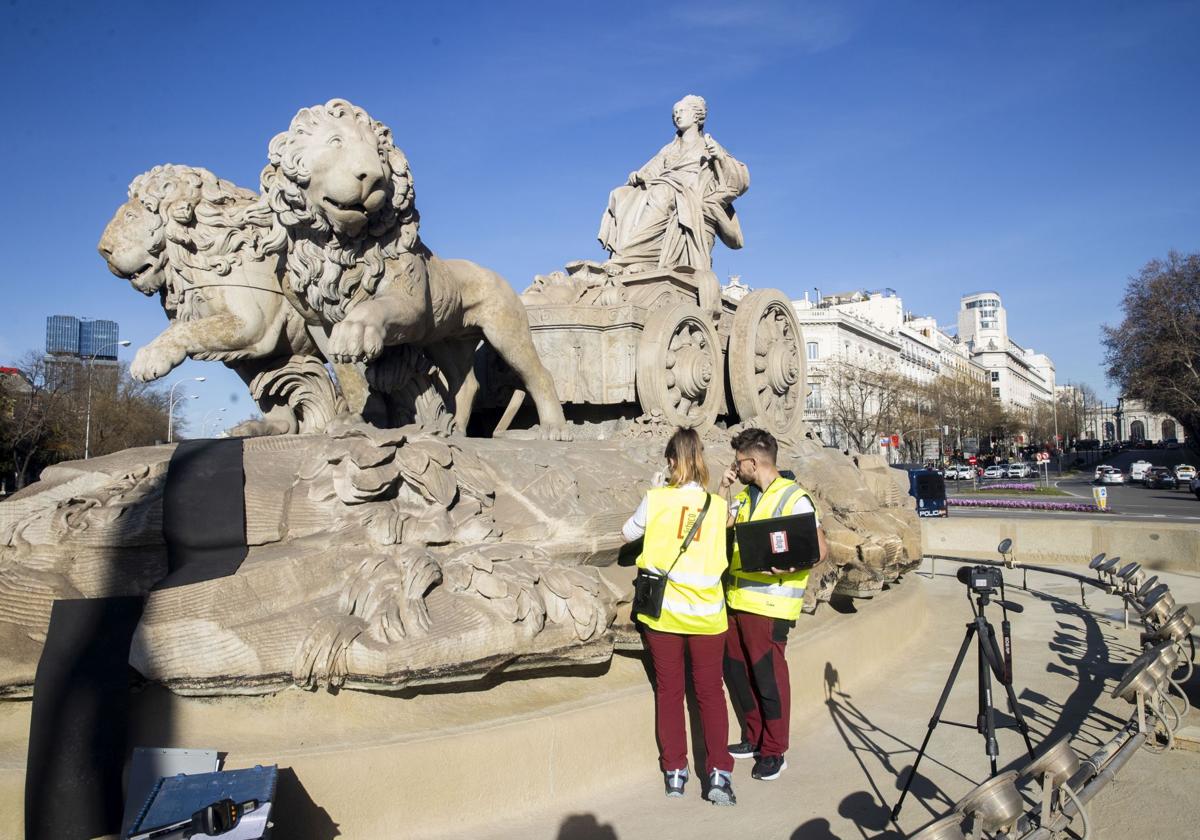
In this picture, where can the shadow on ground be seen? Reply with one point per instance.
(870, 810)
(585, 827)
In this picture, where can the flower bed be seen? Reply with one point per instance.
(1023, 504)
(1011, 485)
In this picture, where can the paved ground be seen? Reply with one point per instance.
(850, 758)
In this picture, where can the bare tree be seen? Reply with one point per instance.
(46, 419)
(1153, 355)
(866, 402)
(37, 432)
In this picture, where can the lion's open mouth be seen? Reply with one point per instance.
(356, 207)
(144, 269)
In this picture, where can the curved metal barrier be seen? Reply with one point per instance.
(1151, 683)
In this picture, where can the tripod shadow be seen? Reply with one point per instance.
(1084, 653)
(869, 810)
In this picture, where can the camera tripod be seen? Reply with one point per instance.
(991, 661)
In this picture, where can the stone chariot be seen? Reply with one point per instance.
(669, 341)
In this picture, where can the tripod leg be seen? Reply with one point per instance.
(937, 715)
(989, 716)
(1021, 725)
(1006, 681)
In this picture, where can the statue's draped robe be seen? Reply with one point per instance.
(685, 203)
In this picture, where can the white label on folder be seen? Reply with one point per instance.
(779, 542)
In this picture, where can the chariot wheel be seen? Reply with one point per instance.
(767, 368)
(679, 369)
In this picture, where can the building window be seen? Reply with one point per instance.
(995, 376)
(813, 401)
(813, 352)
(996, 393)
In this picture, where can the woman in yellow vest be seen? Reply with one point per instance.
(692, 615)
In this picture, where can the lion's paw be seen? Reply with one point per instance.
(355, 340)
(555, 431)
(154, 362)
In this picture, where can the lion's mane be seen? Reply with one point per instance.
(328, 271)
(206, 225)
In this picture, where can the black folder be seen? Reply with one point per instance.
(787, 542)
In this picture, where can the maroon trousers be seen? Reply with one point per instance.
(756, 672)
(706, 653)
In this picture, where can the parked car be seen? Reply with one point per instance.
(995, 471)
(1194, 486)
(1137, 471)
(1112, 475)
(1184, 472)
(1171, 443)
(1161, 478)
(963, 471)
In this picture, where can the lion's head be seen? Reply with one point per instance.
(343, 195)
(179, 218)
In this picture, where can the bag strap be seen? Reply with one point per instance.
(692, 532)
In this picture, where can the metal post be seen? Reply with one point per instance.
(171, 407)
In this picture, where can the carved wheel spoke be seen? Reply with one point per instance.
(766, 365)
(679, 366)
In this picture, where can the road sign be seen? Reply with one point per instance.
(896, 441)
(1100, 494)
(885, 441)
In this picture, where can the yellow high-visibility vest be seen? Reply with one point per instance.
(694, 602)
(776, 596)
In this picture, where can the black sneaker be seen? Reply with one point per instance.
(742, 749)
(768, 767)
(676, 779)
(720, 789)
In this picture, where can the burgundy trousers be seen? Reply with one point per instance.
(706, 654)
(756, 672)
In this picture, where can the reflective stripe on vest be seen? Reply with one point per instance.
(776, 596)
(685, 608)
(784, 498)
(694, 601)
(770, 588)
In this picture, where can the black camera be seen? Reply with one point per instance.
(982, 579)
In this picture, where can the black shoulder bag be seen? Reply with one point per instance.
(649, 587)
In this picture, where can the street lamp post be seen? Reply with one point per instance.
(87, 426)
(171, 407)
(207, 414)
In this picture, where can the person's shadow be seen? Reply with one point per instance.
(294, 815)
(585, 827)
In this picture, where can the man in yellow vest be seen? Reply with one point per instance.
(762, 607)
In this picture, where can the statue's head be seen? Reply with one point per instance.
(689, 111)
(335, 171)
(180, 204)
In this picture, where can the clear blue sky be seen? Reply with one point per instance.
(1044, 150)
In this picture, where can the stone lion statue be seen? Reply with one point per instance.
(197, 242)
(347, 227)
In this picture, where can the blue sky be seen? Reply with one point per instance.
(1043, 150)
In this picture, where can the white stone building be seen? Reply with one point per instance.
(838, 329)
(1131, 420)
(871, 328)
(1018, 375)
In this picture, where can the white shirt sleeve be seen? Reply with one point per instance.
(635, 526)
(803, 504)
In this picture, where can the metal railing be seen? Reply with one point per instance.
(996, 807)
